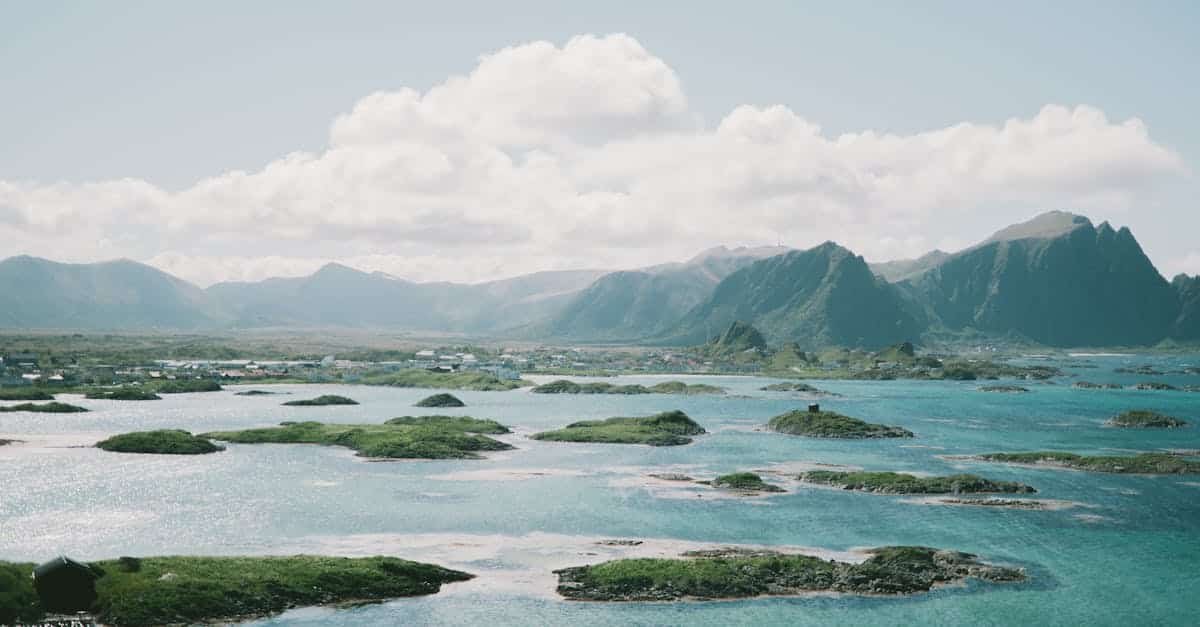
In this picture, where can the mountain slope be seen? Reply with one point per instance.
(819, 297)
(901, 269)
(1057, 280)
(1187, 323)
(38, 293)
(640, 303)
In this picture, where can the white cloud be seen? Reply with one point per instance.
(587, 155)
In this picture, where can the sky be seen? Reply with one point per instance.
(474, 141)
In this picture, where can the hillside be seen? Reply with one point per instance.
(824, 296)
(1056, 280)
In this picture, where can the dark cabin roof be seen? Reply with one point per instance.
(62, 564)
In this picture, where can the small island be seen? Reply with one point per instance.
(1088, 385)
(1008, 389)
(563, 386)
(255, 393)
(743, 482)
(734, 574)
(902, 483)
(186, 386)
(322, 401)
(1155, 386)
(421, 378)
(815, 423)
(427, 437)
(25, 393)
(670, 428)
(1142, 463)
(207, 590)
(123, 394)
(159, 442)
(1145, 419)
(52, 407)
(441, 400)
(797, 387)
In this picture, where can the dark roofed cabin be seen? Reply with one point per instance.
(65, 586)
(814, 408)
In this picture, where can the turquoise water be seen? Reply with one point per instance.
(1127, 553)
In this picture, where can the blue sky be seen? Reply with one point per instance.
(172, 93)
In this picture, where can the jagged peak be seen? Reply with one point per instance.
(1045, 226)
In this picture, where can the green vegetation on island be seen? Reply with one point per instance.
(734, 574)
(562, 386)
(670, 428)
(795, 386)
(428, 437)
(828, 424)
(745, 482)
(1141, 418)
(1088, 385)
(185, 386)
(1009, 389)
(159, 442)
(25, 393)
(127, 393)
(901, 483)
(465, 424)
(255, 393)
(441, 400)
(1155, 386)
(322, 401)
(201, 590)
(416, 378)
(1142, 463)
(52, 407)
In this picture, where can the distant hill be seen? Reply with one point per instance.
(38, 293)
(824, 296)
(629, 305)
(337, 295)
(1056, 280)
(901, 269)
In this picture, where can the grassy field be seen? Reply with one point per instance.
(828, 424)
(901, 483)
(1144, 463)
(429, 437)
(187, 590)
(160, 442)
(671, 428)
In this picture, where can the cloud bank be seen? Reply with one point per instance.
(587, 155)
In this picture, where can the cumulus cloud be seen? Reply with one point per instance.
(587, 155)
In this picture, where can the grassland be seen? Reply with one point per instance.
(901, 483)
(1143, 463)
(428, 437)
(828, 424)
(191, 590)
(52, 407)
(159, 442)
(671, 428)
(562, 386)
(416, 378)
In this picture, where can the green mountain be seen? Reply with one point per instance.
(38, 293)
(1187, 323)
(1057, 280)
(630, 305)
(824, 296)
(739, 337)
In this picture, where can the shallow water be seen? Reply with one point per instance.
(1127, 555)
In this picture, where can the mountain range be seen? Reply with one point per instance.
(1056, 280)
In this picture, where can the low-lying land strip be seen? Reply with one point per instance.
(1142, 463)
(322, 401)
(738, 574)
(416, 378)
(562, 386)
(902, 483)
(441, 400)
(426, 437)
(1145, 419)
(52, 407)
